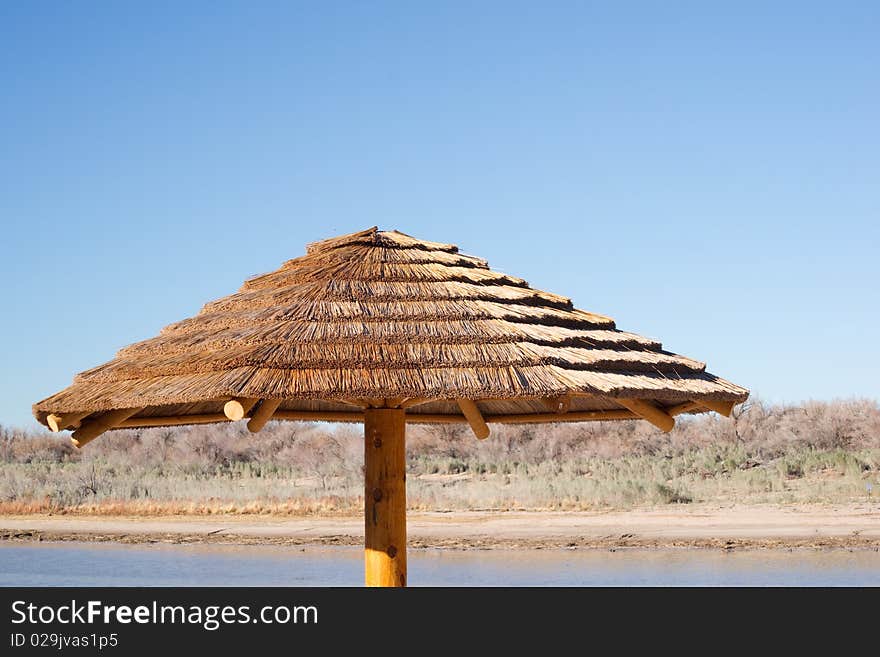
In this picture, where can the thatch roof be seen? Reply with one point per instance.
(381, 317)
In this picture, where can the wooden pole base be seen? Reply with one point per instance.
(385, 496)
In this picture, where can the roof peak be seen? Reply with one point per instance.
(384, 238)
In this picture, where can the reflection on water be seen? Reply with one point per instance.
(81, 564)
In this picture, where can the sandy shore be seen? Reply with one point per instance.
(679, 526)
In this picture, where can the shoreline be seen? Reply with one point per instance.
(854, 526)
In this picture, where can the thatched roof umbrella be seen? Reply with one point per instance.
(381, 328)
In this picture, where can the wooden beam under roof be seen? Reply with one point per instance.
(235, 409)
(93, 428)
(61, 421)
(474, 418)
(558, 404)
(684, 407)
(357, 416)
(721, 407)
(648, 411)
(263, 414)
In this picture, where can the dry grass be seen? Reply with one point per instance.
(817, 452)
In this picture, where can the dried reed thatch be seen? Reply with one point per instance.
(382, 319)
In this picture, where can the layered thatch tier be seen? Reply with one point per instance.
(380, 318)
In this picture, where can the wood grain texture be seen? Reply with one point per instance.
(236, 409)
(385, 497)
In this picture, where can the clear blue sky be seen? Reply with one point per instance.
(705, 173)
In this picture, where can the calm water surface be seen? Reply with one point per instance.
(82, 564)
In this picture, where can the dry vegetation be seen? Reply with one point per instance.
(817, 452)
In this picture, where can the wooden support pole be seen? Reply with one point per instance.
(263, 414)
(91, 429)
(385, 497)
(474, 417)
(722, 407)
(235, 409)
(61, 421)
(649, 412)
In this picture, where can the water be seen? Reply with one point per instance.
(84, 564)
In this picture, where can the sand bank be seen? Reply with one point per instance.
(732, 527)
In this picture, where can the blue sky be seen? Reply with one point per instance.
(705, 173)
